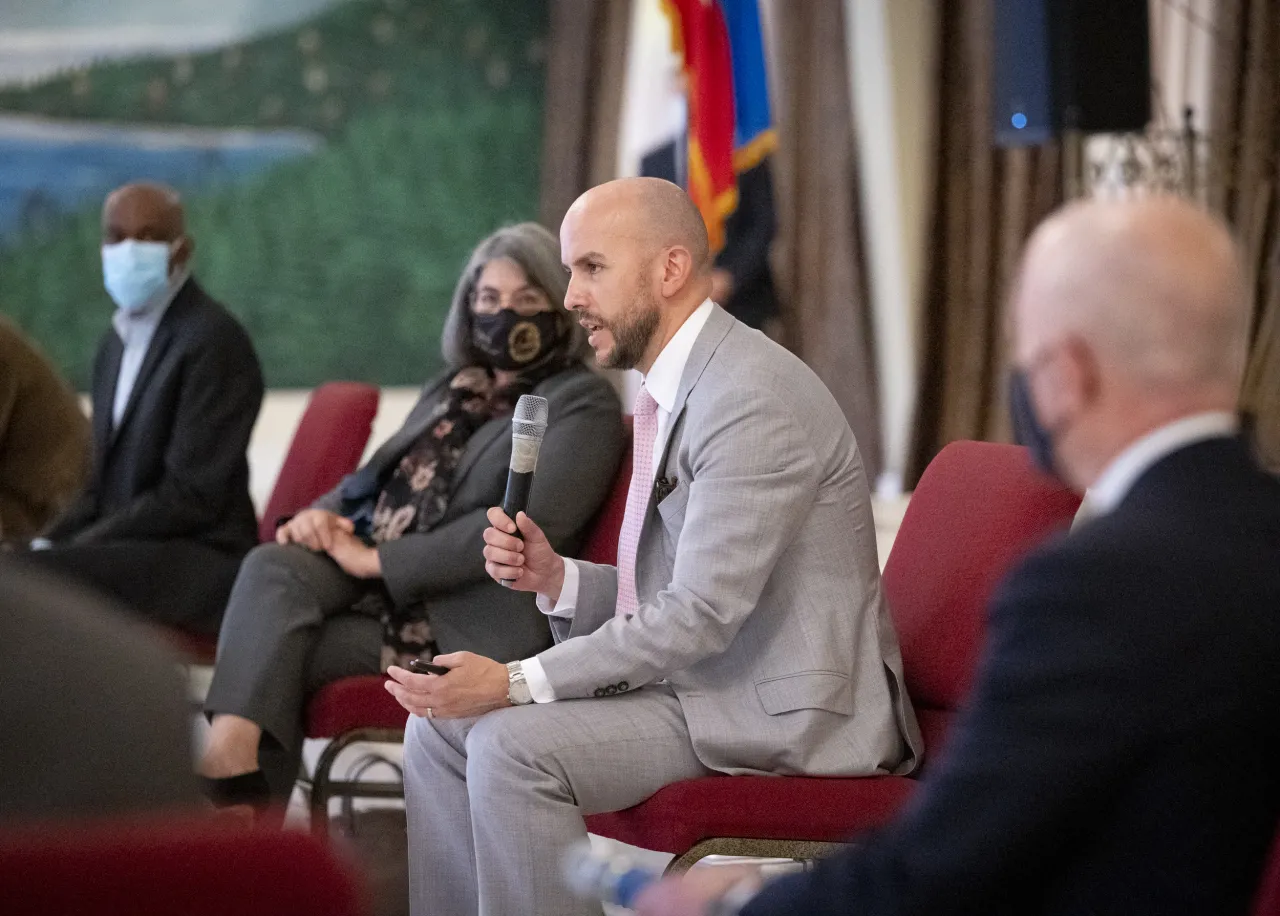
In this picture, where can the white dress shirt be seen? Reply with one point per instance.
(1118, 477)
(663, 384)
(136, 330)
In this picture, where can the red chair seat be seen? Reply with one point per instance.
(806, 808)
(353, 703)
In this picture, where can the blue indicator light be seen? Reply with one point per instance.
(1019, 120)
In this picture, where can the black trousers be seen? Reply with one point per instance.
(178, 583)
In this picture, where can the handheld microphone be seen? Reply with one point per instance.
(528, 426)
(616, 880)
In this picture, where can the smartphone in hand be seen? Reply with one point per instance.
(420, 666)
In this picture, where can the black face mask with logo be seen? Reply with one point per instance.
(509, 341)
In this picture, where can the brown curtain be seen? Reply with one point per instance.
(818, 254)
(986, 202)
(1244, 185)
(586, 66)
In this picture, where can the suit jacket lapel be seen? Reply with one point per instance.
(416, 425)
(155, 351)
(483, 437)
(709, 338)
(105, 395)
(160, 342)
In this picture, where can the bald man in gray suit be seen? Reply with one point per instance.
(743, 631)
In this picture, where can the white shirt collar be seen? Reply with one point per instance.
(663, 380)
(147, 319)
(1115, 481)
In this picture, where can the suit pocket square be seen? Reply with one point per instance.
(664, 487)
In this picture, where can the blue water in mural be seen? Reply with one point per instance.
(50, 169)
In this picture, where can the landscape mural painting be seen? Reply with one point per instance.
(326, 151)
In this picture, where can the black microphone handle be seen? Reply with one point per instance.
(516, 499)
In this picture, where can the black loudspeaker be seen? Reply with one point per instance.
(1070, 64)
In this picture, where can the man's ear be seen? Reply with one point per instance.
(677, 270)
(1068, 384)
(181, 254)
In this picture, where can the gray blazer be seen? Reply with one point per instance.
(442, 570)
(761, 601)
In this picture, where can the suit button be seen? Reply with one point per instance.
(623, 687)
(599, 692)
(610, 690)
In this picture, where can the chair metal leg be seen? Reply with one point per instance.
(800, 850)
(324, 787)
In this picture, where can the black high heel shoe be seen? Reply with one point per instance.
(246, 789)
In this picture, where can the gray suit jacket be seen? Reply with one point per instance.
(760, 592)
(442, 571)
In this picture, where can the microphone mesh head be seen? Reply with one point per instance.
(530, 419)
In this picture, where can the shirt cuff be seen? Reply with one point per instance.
(536, 679)
(568, 594)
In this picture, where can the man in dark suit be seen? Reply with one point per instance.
(1120, 752)
(166, 517)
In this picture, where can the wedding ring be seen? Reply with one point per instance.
(430, 713)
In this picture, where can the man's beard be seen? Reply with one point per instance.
(632, 332)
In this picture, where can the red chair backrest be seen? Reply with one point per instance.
(978, 508)
(601, 545)
(1267, 901)
(326, 446)
(151, 867)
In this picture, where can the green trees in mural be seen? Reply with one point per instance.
(340, 263)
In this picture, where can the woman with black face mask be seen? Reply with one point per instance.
(388, 566)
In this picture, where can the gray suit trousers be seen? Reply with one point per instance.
(494, 801)
(289, 630)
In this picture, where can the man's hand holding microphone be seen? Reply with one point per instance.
(521, 558)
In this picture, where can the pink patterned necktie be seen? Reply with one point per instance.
(644, 431)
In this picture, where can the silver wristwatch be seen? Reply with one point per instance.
(517, 687)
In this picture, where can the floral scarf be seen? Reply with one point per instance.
(415, 496)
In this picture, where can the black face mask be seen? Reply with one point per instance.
(510, 341)
(1027, 428)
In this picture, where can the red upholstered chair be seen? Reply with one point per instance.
(326, 446)
(359, 709)
(1267, 902)
(977, 509)
(188, 867)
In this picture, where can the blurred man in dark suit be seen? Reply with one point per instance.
(1120, 751)
(166, 517)
(93, 717)
(44, 439)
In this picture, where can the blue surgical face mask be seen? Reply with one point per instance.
(135, 272)
(1027, 428)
